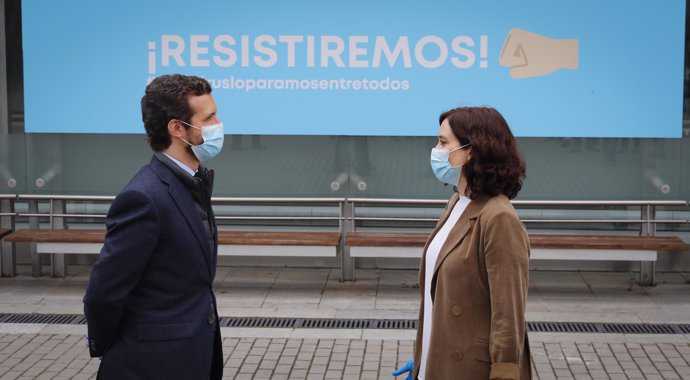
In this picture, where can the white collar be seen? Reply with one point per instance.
(180, 164)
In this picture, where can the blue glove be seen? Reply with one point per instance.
(407, 368)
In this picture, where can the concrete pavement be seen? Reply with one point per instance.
(50, 351)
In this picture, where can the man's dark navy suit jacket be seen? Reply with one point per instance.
(149, 303)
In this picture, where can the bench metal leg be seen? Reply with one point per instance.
(36, 267)
(348, 266)
(8, 260)
(58, 267)
(648, 229)
(347, 262)
(8, 263)
(35, 256)
(647, 273)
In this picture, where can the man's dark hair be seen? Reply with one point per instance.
(496, 166)
(166, 98)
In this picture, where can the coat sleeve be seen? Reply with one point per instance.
(506, 250)
(132, 233)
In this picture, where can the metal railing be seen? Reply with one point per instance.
(220, 201)
(647, 208)
(54, 200)
(7, 198)
(647, 219)
(37, 209)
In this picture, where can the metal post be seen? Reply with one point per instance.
(34, 224)
(58, 267)
(347, 262)
(648, 216)
(648, 268)
(4, 106)
(8, 261)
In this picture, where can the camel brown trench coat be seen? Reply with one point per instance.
(479, 290)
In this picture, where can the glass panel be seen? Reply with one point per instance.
(82, 164)
(393, 167)
(278, 166)
(593, 169)
(338, 166)
(248, 166)
(12, 164)
(588, 169)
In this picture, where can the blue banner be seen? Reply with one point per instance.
(554, 69)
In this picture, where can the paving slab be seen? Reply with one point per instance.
(48, 351)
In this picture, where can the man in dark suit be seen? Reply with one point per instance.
(149, 303)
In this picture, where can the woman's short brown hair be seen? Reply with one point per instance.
(496, 166)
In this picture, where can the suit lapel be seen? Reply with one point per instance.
(185, 204)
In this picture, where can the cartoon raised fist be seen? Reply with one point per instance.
(529, 54)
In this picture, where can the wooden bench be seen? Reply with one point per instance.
(543, 247)
(58, 243)
(266, 243)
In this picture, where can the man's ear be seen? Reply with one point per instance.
(175, 128)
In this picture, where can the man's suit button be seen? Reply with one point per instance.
(456, 355)
(456, 310)
(211, 319)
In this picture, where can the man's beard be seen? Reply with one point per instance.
(188, 147)
(189, 150)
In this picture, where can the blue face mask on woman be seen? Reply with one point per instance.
(440, 164)
(213, 136)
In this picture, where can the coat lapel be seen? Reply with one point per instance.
(444, 216)
(185, 204)
(459, 231)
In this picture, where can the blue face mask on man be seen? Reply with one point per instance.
(440, 164)
(213, 136)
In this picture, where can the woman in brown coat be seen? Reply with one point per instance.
(474, 272)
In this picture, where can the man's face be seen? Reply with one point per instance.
(203, 114)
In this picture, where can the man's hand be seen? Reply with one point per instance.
(407, 368)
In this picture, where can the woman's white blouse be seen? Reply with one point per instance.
(431, 256)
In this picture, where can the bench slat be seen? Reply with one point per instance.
(376, 239)
(651, 243)
(331, 239)
(369, 239)
(57, 236)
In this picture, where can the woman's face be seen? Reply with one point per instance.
(447, 140)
